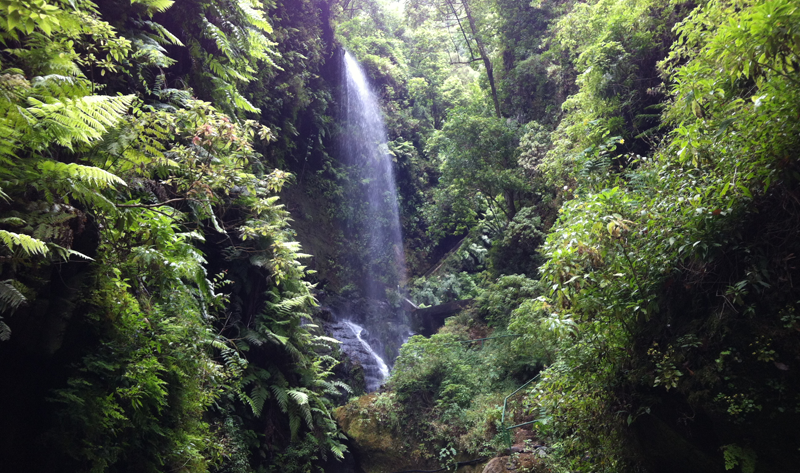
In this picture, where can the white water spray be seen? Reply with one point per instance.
(371, 225)
(384, 370)
(364, 146)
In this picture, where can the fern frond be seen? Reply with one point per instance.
(281, 396)
(61, 86)
(95, 176)
(178, 97)
(86, 195)
(158, 84)
(10, 297)
(149, 52)
(296, 354)
(259, 396)
(80, 120)
(233, 96)
(242, 103)
(253, 16)
(301, 399)
(219, 38)
(253, 337)
(224, 73)
(327, 339)
(337, 449)
(65, 253)
(30, 246)
(345, 386)
(161, 32)
(5, 331)
(13, 221)
(294, 426)
(154, 6)
(261, 260)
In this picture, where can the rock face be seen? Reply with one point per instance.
(380, 448)
(356, 344)
(377, 448)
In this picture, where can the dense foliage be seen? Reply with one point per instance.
(612, 183)
(154, 307)
(642, 168)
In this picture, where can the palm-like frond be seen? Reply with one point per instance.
(163, 35)
(5, 331)
(10, 297)
(154, 6)
(94, 176)
(60, 86)
(282, 396)
(30, 246)
(72, 121)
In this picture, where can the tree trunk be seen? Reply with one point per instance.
(511, 204)
(482, 50)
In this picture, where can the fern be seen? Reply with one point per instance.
(252, 337)
(80, 120)
(52, 226)
(30, 246)
(343, 385)
(65, 253)
(230, 92)
(162, 34)
(155, 6)
(86, 195)
(10, 297)
(301, 399)
(224, 73)
(294, 426)
(150, 53)
(253, 16)
(337, 449)
(259, 396)
(296, 354)
(97, 177)
(220, 39)
(60, 181)
(13, 221)
(60, 86)
(282, 396)
(177, 97)
(5, 331)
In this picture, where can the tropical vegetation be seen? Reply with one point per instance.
(611, 184)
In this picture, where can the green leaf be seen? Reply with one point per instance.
(31, 246)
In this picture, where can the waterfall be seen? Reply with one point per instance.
(374, 244)
(364, 148)
(370, 375)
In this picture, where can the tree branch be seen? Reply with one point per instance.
(466, 62)
(463, 33)
(150, 206)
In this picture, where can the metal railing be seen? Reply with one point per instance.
(506, 431)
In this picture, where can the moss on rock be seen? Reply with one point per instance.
(378, 445)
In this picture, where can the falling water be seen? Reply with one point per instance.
(365, 148)
(374, 379)
(373, 228)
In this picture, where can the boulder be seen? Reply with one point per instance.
(377, 448)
